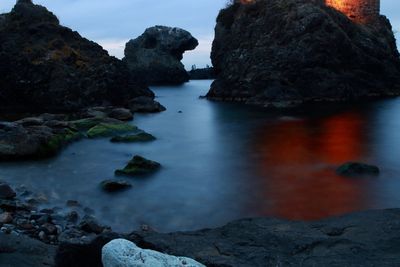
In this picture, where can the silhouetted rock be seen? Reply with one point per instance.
(45, 66)
(157, 54)
(356, 168)
(202, 74)
(6, 192)
(278, 54)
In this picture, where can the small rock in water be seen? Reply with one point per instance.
(356, 168)
(6, 191)
(139, 166)
(123, 253)
(90, 225)
(72, 217)
(115, 185)
(140, 137)
(73, 203)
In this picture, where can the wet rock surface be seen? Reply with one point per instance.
(112, 186)
(47, 67)
(284, 55)
(139, 166)
(353, 169)
(353, 240)
(157, 54)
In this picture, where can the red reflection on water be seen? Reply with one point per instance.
(298, 160)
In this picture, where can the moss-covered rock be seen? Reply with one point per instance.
(139, 166)
(87, 123)
(57, 141)
(132, 138)
(110, 129)
(356, 168)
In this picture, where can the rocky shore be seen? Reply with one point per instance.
(51, 237)
(272, 54)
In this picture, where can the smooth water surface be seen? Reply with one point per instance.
(226, 161)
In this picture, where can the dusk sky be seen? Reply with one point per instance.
(112, 23)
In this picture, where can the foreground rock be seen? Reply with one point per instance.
(123, 253)
(282, 55)
(157, 54)
(139, 166)
(358, 169)
(358, 239)
(45, 66)
(21, 251)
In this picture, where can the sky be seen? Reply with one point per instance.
(112, 23)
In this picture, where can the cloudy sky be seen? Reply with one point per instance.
(112, 23)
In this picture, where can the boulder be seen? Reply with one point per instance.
(157, 54)
(18, 142)
(283, 55)
(139, 166)
(47, 67)
(115, 185)
(123, 253)
(6, 218)
(145, 104)
(357, 169)
(6, 192)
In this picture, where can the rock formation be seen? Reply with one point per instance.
(274, 54)
(45, 66)
(157, 54)
(202, 74)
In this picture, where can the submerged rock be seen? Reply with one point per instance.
(45, 66)
(281, 55)
(157, 54)
(115, 185)
(110, 129)
(139, 166)
(123, 253)
(140, 137)
(356, 168)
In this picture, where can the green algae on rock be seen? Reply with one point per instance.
(110, 129)
(57, 141)
(139, 166)
(132, 138)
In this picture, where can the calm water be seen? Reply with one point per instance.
(224, 161)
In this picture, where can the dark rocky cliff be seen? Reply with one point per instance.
(45, 66)
(157, 54)
(285, 53)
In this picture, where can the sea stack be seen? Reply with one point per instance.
(157, 55)
(283, 55)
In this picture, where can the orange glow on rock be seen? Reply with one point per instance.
(361, 11)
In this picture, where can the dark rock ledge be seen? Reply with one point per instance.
(73, 239)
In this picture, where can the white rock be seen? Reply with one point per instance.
(123, 253)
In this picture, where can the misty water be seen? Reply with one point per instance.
(225, 161)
